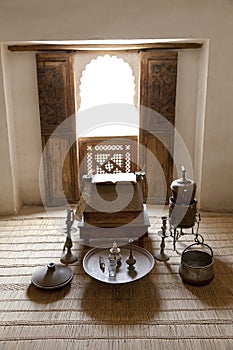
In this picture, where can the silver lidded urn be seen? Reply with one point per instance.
(183, 189)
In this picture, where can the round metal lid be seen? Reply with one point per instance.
(52, 276)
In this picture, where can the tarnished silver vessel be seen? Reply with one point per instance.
(183, 189)
(196, 266)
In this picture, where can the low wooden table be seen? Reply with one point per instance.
(132, 230)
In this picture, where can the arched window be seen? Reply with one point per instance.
(106, 80)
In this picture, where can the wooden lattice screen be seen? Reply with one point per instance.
(99, 155)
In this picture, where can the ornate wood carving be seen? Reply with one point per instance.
(159, 175)
(56, 89)
(57, 104)
(158, 94)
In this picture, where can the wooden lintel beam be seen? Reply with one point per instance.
(101, 47)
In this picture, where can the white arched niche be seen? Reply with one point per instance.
(107, 98)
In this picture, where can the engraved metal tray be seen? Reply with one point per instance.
(144, 264)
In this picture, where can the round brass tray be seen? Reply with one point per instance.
(144, 264)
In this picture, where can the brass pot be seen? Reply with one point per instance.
(196, 266)
(183, 190)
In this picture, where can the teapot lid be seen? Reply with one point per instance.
(52, 276)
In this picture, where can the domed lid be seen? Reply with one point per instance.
(52, 276)
(182, 181)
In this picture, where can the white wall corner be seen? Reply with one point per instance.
(200, 118)
(9, 178)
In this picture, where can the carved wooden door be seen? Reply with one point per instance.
(158, 95)
(57, 119)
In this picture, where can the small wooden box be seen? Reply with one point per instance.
(136, 231)
(114, 204)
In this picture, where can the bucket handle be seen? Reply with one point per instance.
(198, 243)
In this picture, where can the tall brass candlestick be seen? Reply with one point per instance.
(161, 256)
(69, 223)
(69, 257)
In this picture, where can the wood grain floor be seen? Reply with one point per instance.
(157, 312)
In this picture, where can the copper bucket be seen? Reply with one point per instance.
(196, 266)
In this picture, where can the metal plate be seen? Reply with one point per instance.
(144, 264)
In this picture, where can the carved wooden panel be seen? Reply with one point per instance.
(57, 174)
(158, 94)
(158, 86)
(56, 89)
(159, 167)
(57, 104)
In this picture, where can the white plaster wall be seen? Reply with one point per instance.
(186, 111)
(104, 19)
(149, 19)
(200, 117)
(27, 124)
(13, 159)
(7, 198)
(217, 173)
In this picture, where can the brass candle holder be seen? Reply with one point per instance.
(69, 222)
(69, 257)
(161, 256)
